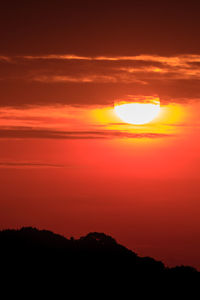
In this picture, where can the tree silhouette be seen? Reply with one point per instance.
(95, 255)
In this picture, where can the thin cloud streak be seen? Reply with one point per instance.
(24, 133)
(86, 79)
(180, 60)
(181, 67)
(5, 58)
(163, 72)
(176, 67)
(24, 164)
(71, 79)
(59, 78)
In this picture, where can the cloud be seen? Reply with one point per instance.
(88, 80)
(5, 58)
(83, 79)
(170, 60)
(173, 61)
(28, 164)
(26, 132)
(125, 69)
(55, 56)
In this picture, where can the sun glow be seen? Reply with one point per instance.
(137, 113)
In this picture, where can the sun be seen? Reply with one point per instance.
(137, 113)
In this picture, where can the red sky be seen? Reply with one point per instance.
(67, 162)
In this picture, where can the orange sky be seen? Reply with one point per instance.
(67, 162)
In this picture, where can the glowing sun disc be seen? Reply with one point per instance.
(137, 113)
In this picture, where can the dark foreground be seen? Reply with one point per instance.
(40, 264)
(96, 255)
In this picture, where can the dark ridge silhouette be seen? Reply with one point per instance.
(92, 266)
(45, 252)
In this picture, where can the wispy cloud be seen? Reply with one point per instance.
(5, 58)
(24, 133)
(71, 122)
(120, 68)
(56, 56)
(87, 79)
(28, 164)
(179, 60)
(63, 78)
(71, 79)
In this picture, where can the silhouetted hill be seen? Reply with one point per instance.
(95, 255)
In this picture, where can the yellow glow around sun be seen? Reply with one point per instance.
(164, 119)
(137, 113)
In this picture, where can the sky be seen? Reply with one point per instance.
(68, 163)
